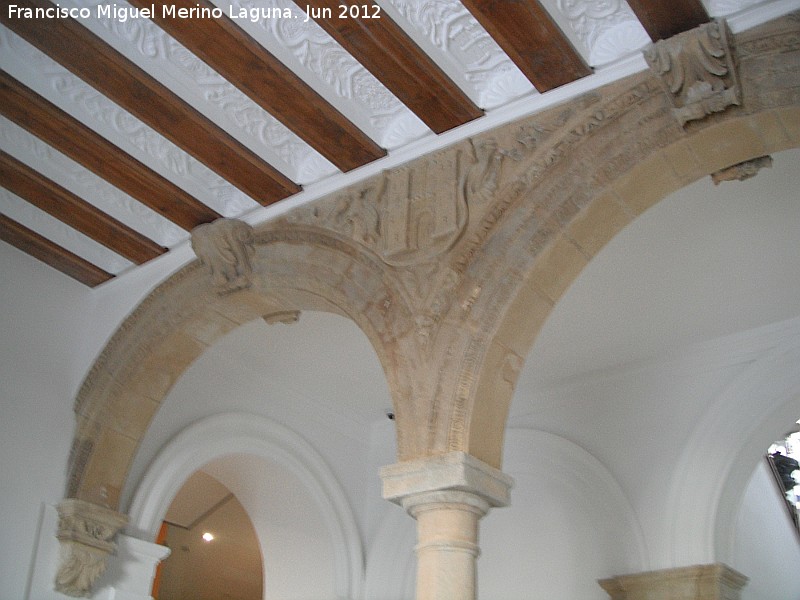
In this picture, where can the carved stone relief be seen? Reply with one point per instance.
(742, 171)
(85, 532)
(423, 211)
(225, 247)
(697, 69)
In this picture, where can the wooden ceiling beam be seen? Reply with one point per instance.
(71, 137)
(227, 49)
(62, 204)
(98, 64)
(662, 20)
(387, 52)
(52, 254)
(530, 37)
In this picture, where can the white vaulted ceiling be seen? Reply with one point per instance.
(606, 35)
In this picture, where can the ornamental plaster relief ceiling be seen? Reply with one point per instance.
(606, 35)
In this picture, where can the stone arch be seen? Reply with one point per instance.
(574, 176)
(572, 234)
(551, 271)
(294, 268)
(235, 433)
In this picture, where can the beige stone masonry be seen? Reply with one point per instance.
(701, 582)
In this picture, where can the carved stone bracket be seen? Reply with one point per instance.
(225, 247)
(743, 170)
(85, 532)
(698, 71)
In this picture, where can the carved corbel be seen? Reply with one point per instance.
(698, 71)
(743, 170)
(284, 317)
(85, 533)
(225, 247)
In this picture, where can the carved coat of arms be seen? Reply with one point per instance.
(424, 210)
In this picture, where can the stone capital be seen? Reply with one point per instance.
(85, 532)
(697, 582)
(455, 477)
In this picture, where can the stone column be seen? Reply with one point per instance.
(699, 582)
(447, 495)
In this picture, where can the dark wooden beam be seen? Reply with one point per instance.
(98, 64)
(530, 37)
(662, 20)
(227, 49)
(62, 204)
(387, 52)
(52, 254)
(71, 137)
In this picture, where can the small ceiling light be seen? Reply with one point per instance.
(208, 536)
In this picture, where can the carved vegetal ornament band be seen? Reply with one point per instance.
(698, 71)
(225, 247)
(85, 532)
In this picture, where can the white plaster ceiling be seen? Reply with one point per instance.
(605, 33)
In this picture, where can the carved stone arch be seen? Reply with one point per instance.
(294, 268)
(581, 173)
(525, 295)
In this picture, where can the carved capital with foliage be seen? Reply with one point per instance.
(85, 532)
(225, 247)
(698, 71)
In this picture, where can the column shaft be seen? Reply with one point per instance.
(447, 495)
(447, 552)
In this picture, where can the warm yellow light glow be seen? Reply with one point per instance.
(208, 537)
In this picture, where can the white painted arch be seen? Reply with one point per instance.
(709, 483)
(239, 433)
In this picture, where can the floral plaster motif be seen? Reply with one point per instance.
(487, 73)
(170, 62)
(60, 86)
(719, 8)
(321, 57)
(95, 190)
(606, 29)
(65, 236)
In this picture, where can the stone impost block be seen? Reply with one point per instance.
(699, 582)
(454, 471)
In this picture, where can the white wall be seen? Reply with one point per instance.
(40, 328)
(766, 548)
(52, 328)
